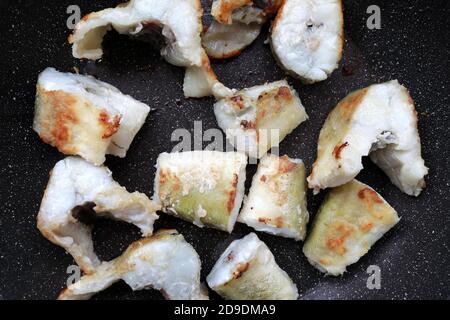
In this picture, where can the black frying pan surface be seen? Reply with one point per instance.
(411, 46)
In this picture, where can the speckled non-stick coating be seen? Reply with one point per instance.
(412, 46)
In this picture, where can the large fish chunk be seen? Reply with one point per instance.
(76, 192)
(351, 219)
(307, 38)
(379, 121)
(236, 24)
(258, 118)
(204, 187)
(247, 270)
(175, 25)
(276, 202)
(164, 261)
(83, 116)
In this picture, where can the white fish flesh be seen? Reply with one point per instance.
(259, 118)
(76, 192)
(307, 38)
(379, 121)
(164, 261)
(247, 270)
(276, 202)
(83, 116)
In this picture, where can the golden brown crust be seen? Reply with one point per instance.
(70, 37)
(240, 269)
(279, 222)
(286, 165)
(232, 194)
(73, 125)
(237, 101)
(207, 67)
(110, 127)
(156, 236)
(338, 149)
(347, 107)
(270, 104)
(278, 16)
(337, 236)
(55, 130)
(227, 55)
(341, 114)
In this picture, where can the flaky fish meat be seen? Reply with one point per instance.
(247, 270)
(276, 202)
(379, 121)
(259, 118)
(307, 38)
(80, 115)
(76, 192)
(164, 261)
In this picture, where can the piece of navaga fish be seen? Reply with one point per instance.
(379, 121)
(204, 187)
(247, 270)
(259, 118)
(307, 38)
(222, 41)
(175, 25)
(276, 202)
(164, 261)
(351, 219)
(76, 192)
(83, 116)
(236, 24)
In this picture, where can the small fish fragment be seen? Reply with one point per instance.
(174, 26)
(349, 222)
(164, 261)
(379, 121)
(247, 270)
(276, 202)
(236, 24)
(76, 193)
(222, 41)
(259, 118)
(307, 38)
(204, 187)
(222, 10)
(80, 115)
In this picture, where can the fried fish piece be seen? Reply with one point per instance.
(76, 192)
(83, 116)
(276, 202)
(236, 24)
(222, 41)
(258, 118)
(176, 25)
(379, 121)
(204, 187)
(164, 261)
(247, 270)
(307, 38)
(349, 222)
